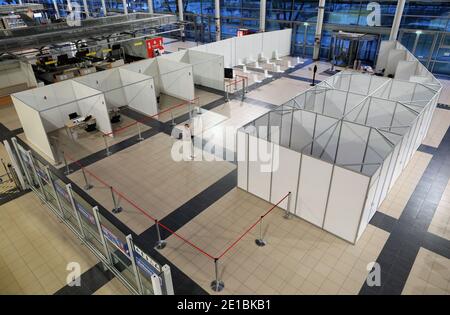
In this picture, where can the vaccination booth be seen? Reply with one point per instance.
(207, 68)
(170, 77)
(338, 148)
(124, 88)
(46, 109)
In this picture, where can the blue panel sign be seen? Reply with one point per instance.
(123, 247)
(146, 268)
(85, 212)
(149, 261)
(62, 192)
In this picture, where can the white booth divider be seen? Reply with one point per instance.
(122, 87)
(170, 77)
(248, 48)
(339, 164)
(208, 68)
(46, 109)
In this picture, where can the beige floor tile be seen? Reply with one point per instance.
(438, 127)
(23, 268)
(270, 93)
(401, 191)
(299, 267)
(430, 274)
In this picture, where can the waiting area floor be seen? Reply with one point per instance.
(199, 200)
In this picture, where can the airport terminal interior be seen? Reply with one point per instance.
(224, 147)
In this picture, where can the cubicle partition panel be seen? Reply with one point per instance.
(208, 69)
(139, 92)
(338, 147)
(49, 108)
(32, 125)
(248, 48)
(176, 79)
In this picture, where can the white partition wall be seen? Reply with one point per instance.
(176, 79)
(208, 68)
(46, 109)
(33, 126)
(338, 147)
(248, 48)
(122, 87)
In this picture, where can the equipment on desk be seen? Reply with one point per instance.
(228, 73)
(73, 115)
(114, 115)
(78, 120)
(91, 124)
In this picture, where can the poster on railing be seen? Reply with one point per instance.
(42, 174)
(123, 247)
(62, 192)
(145, 262)
(85, 212)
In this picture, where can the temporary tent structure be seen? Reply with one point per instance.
(338, 148)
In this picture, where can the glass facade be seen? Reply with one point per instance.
(431, 18)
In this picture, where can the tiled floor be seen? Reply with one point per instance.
(166, 102)
(86, 143)
(239, 113)
(439, 125)
(307, 72)
(35, 248)
(113, 287)
(146, 174)
(429, 275)
(299, 258)
(403, 188)
(279, 91)
(440, 225)
(9, 118)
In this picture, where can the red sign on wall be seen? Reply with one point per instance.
(154, 45)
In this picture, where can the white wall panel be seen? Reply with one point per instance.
(405, 69)
(315, 176)
(33, 127)
(242, 159)
(346, 201)
(259, 167)
(92, 102)
(285, 176)
(394, 56)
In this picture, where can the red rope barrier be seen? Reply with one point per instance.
(150, 117)
(251, 227)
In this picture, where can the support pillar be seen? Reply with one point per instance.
(125, 6)
(262, 16)
(150, 6)
(181, 17)
(318, 36)
(86, 8)
(104, 8)
(397, 19)
(217, 20)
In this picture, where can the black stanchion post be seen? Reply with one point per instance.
(217, 285)
(287, 214)
(87, 185)
(259, 241)
(68, 170)
(160, 243)
(314, 75)
(117, 208)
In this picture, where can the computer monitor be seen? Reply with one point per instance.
(228, 73)
(73, 115)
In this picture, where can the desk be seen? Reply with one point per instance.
(70, 125)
